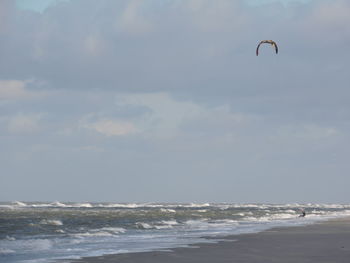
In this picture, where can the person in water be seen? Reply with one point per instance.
(303, 214)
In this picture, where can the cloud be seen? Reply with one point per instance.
(175, 86)
(168, 118)
(7, 9)
(327, 23)
(164, 116)
(24, 123)
(210, 16)
(94, 45)
(18, 90)
(132, 20)
(12, 89)
(111, 127)
(314, 133)
(190, 47)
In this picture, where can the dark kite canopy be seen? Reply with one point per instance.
(271, 42)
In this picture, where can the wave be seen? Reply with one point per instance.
(167, 210)
(194, 205)
(58, 204)
(6, 206)
(94, 234)
(117, 205)
(165, 224)
(141, 225)
(101, 232)
(18, 203)
(82, 205)
(8, 238)
(5, 251)
(170, 206)
(51, 222)
(110, 227)
(115, 230)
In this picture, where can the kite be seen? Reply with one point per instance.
(271, 42)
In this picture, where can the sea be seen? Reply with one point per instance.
(60, 231)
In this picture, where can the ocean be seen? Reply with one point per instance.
(48, 232)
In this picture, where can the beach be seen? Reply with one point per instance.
(327, 241)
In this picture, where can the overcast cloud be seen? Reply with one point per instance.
(165, 100)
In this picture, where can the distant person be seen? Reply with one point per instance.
(303, 214)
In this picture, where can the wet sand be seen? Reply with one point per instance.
(326, 242)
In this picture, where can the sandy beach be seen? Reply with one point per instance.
(322, 242)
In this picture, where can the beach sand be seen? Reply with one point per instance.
(327, 242)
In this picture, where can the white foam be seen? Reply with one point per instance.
(7, 207)
(102, 232)
(83, 205)
(167, 210)
(5, 251)
(227, 221)
(51, 222)
(166, 224)
(224, 207)
(21, 204)
(159, 227)
(115, 230)
(144, 225)
(94, 234)
(120, 205)
(169, 222)
(57, 204)
(193, 205)
(290, 211)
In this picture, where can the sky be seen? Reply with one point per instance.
(166, 101)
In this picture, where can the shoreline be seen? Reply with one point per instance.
(325, 241)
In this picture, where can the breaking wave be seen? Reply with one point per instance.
(50, 230)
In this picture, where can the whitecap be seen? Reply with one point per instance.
(142, 225)
(102, 232)
(169, 222)
(7, 207)
(18, 203)
(290, 211)
(5, 251)
(121, 205)
(84, 205)
(8, 238)
(115, 230)
(167, 210)
(94, 234)
(57, 204)
(51, 222)
(193, 205)
(166, 224)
